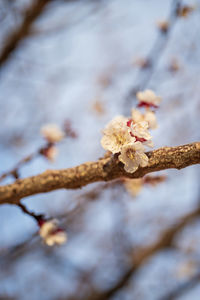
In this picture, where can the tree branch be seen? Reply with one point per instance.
(105, 169)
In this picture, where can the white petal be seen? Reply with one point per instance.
(148, 96)
(116, 134)
(130, 168)
(136, 115)
(143, 160)
(52, 133)
(48, 227)
(150, 117)
(149, 144)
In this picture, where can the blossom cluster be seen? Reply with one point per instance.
(51, 233)
(128, 137)
(53, 134)
(135, 185)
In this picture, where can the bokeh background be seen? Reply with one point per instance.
(81, 61)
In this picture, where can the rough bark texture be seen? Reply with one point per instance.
(104, 169)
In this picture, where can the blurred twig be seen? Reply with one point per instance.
(181, 289)
(43, 150)
(14, 172)
(15, 37)
(141, 255)
(152, 60)
(16, 251)
(30, 15)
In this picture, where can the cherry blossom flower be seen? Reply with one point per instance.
(140, 131)
(148, 98)
(51, 233)
(132, 156)
(133, 186)
(137, 116)
(52, 133)
(127, 138)
(149, 116)
(116, 135)
(50, 152)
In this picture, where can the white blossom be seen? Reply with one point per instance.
(51, 233)
(116, 135)
(57, 238)
(140, 131)
(52, 133)
(148, 97)
(47, 227)
(132, 156)
(137, 116)
(133, 186)
(51, 153)
(149, 116)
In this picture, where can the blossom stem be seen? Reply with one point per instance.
(38, 218)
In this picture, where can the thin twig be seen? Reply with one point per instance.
(145, 74)
(14, 172)
(181, 289)
(15, 37)
(30, 213)
(13, 40)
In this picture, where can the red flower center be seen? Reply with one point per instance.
(146, 104)
(138, 139)
(129, 122)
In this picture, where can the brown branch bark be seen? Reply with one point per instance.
(104, 169)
